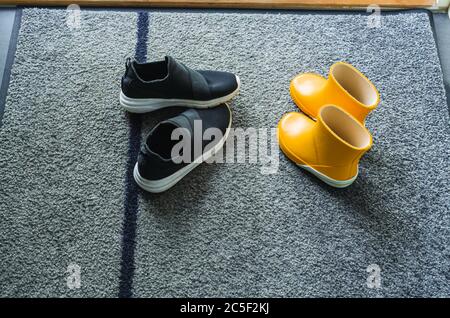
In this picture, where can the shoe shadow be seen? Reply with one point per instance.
(175, 207)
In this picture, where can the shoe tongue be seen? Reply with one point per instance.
(181, 122)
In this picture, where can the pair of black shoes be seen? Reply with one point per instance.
(175, 146)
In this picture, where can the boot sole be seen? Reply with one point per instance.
(330, 181)
(161, 185)
(145, 105)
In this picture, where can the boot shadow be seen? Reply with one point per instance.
(373, 206)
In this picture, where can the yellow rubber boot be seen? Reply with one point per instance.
(330, 147)
(345, 86)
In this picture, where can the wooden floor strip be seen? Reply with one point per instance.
(279, 4)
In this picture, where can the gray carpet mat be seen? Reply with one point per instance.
(63, 144)
(226, 229)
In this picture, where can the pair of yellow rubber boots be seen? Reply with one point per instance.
(331, 138)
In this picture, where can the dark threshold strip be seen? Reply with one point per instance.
(131, 189)
(9, 61)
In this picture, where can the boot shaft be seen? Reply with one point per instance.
(339, 140)
(349, 88)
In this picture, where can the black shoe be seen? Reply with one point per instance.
(160, 166)
(150, 86)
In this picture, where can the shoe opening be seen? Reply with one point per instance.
(355, 84)
(160, 141)
(151, 71)
(345, 127)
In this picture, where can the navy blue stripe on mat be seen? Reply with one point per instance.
(131, 189)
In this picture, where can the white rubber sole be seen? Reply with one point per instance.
(145, 105)
(328, 180)
(161, 185)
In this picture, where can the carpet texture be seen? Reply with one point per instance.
(63, 144)
(226, 229)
